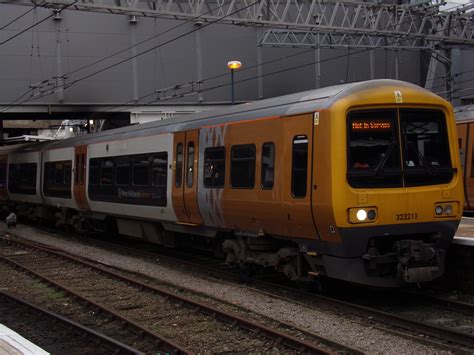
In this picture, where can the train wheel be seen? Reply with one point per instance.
(247, 270)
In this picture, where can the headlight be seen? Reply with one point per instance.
(446, 209)
(371, 214)
(362, 215)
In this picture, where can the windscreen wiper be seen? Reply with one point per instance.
(384, 160)
(431, 170)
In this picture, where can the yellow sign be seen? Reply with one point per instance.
(398, 97)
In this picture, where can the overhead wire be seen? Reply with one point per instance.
(134, 56)
(224, 74)
(184, 22)
(35, 24)
(146, 40)
(17, 18)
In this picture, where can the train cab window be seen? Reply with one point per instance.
(425, 147)
(299, 171)
(93, 172)
(22, 178)
(179, 165)
(107, 172)
(160, 169)
(141, 171)
(242, 166)
(190, 165)
(373, 148)
(268, 165)
(214, 167)
(122, 171)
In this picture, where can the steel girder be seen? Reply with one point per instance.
(361, 24)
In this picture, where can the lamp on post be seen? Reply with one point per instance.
(233, 65)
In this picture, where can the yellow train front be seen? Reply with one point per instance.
(388, 160)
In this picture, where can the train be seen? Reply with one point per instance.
(358, 182)
(465, 130)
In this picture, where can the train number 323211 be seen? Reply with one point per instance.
(405, 216)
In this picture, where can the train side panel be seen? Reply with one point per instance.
(24, 177)
(57, 182)
(131, 198)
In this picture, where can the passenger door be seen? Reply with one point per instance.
(178, 177)
(297, 176)
(80, 176)
(190, 183)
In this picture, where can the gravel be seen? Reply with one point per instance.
(326, 324)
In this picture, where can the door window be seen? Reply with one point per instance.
(299, 171)
(268, 165)
(190, 171)
(179, 164)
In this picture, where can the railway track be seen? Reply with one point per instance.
(178, 317)
(446, 335)
(62, 333)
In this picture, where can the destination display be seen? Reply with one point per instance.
(371, 125)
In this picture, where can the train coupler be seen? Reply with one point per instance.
(419, 261)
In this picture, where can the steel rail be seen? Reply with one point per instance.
(161, 342)
(436, 331)
(111, 344)
(273, 334)
(458, 306)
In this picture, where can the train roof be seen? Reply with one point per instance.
(464, 113)
(302, 102)
(24, 147)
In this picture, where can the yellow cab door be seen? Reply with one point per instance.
(297, 176)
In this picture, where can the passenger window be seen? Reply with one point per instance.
(122, 171)
(59, 173)
(57, 179)
(160, 169)
(472, 160)
(93, 172)
(242, 168)
(268, 165)
(461, 152)
(299, 171)
(141, 168)
(190, 171)
(67, 173)
(214, 167)
(22, 178)
(107, 172)
(3, 173)
(179, 164)
(82, 169)
(76, 171)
